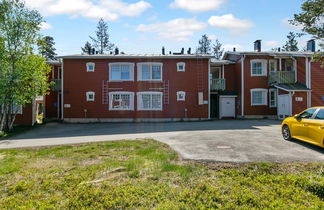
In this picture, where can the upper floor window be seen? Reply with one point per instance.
(149, 71)
(121, 71)
(149, 101)
(121, 101)
(287, 65)
(273, 98)
(259, 97)
(90, 96)
(90, 67)
(258, 67)
(181, 96)
(273, 65)
(181, 66)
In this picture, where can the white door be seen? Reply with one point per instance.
(227, 107)
(284, 106)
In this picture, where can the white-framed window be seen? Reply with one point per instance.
(181, 66)
(15, 109)
(181, 96)
(273, 98)
(121, 101)
(149, 71)
(90, 67)
(259, 97)
(149, 101)
(90, 95)
(121, 71)
(258, 67)
(273, 65)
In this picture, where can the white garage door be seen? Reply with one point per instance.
(284, 106)
(227, 107)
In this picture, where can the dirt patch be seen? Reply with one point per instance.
(2, 156)
(107, 175)
(90, 162)
(48, 163)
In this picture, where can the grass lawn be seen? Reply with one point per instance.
(145, 174)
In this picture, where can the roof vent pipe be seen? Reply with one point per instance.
(257, 46)
(234, 49)
(182, 51)
(116, 51)
(163, 51)
(311, 45)
(189, 51)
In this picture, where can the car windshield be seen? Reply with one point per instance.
(307, 114)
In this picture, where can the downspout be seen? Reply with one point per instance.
(307, 79)
(62, 91)
(295, 67)
(242, 85)
(291, 101)
(310, 81)
(209, 89)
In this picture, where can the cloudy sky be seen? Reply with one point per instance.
(144, 26)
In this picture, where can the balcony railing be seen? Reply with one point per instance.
(282, 77)
(57, 84)
(217, 84)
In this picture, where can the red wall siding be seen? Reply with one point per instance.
(77, 82)
(301, 70)
(317, 84)
(298, 106)
(26, 117)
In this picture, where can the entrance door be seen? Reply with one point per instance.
(284, 106)
(227, 107)
(214, 106)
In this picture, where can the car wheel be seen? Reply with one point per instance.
(286, 133)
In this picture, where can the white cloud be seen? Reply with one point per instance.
(107, 9)
(234, 25)
(272, 44)
(212, 37)
(197, 5)
(180, 29)
(286, 23)
(45, 26)
(229, 47)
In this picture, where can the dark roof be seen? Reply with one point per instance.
(136, 56)
(292, 87)
(271, 53)
(214, 61)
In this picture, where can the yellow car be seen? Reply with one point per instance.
(307, 126)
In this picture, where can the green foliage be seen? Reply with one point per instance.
(145, 174)
(101, 40)
(218, 50)
(87, 48)
(204, 45)
(46, 47)
(291, 44)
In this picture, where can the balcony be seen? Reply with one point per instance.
(282, 77)
(56, 85)
(217, 84)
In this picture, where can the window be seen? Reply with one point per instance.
(273, 65)
(149, 71)
(15, 109)
(121, 101)
(181, 96)
(320, 115)
(90, 96)
(307, 114)
(287, 65)
(149, 101)
(90, 67)
(121, 71)
(181, 66)
(273, 98)
(258, 68)
(259, 97)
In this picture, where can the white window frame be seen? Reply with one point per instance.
(90, 64)
(139, 101)
(14, 107)
(275, 65)
(88, 93)
(179, 93)
(131, 73)
(181, 64)
(274, 91)
(264, 67)
(265, 96)
(139, 71)
(131, 94)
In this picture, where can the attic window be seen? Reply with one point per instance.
(181, 66)
(90, 67)
(181, 96)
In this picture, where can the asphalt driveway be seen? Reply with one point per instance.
(225, 140)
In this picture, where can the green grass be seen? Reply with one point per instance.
(145, 174)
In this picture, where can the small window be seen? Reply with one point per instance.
(273, 98)
(181, 96)
(258, 68)
(320, 115)
(259, 97)
(181, 66)
(121, 101)
(121, 71)
(90, 96)
(273, 65)
(149, 71)
(307, 114)
(15, 109)
(149, 101)
(90, 67)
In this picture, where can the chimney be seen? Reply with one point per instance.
(163, 51)
(189, 51)
(279, 49)
(116, 51)
(182, 51)
(234, 49)
(257, 46)
(311, 45)
(97, 52)
(170, 52)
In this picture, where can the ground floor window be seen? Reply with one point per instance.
(149, 101)
(259, 97)
(273, 98)
(121, 101)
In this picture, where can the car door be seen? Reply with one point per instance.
(316, 128)
(299, 127)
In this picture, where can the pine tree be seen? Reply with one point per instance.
(218, 50)
(291, 43)
(101, 40)
(46, 47)
(87, 48)
(204, 45)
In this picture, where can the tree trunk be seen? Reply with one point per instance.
(11, 122)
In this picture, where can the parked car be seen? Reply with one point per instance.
(307, 126)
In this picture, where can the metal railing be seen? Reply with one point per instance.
(282, 77)
(217, 84)
(57, 85)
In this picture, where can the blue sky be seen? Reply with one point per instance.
(144, 26)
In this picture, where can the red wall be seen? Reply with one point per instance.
(51, 99)
(26, 117)
(317, 84)
(77, 82)
(298, 106)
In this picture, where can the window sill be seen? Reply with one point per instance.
(121, 109)
(120, 80)
(149, 110)
(259, 104)
(258, 75)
